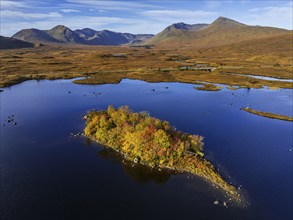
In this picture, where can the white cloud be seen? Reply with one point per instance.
(213, 4)
(113, 5)
(276, 16)
(254, 10)
(69, 10)
(8, 5)
(177, 13)
(5, 14)
(141, 27)
(97, 23)
(173, 16)
(149, 18)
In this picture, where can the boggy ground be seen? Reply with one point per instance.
(111, 64)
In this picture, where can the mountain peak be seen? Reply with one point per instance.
(224, 20)
(88, 29)
(63, 34)
(87, 36)
(184, 26)
(180, 25)
(59, 28)
(86, 32)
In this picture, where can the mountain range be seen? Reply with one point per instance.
(222, 31)
(87, 36)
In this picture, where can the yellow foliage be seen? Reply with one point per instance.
(140, 136)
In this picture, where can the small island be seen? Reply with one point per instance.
(268, 114)
(147, 140)
(209, 87)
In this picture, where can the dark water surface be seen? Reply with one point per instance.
(48, 174)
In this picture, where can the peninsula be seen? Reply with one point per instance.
(268, 114)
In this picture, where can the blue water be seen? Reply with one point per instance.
(48, 174)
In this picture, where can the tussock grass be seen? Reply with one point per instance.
(151, 65)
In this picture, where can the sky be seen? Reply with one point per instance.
(138, 17)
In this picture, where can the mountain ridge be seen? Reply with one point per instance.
(222, 31)
(61, 34)
(12, 43)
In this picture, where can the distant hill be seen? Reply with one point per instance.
(106, 37)
(34, 36)
(11, 43)
(63, 34)
(175, 32)
(273, 49)
(222, 31)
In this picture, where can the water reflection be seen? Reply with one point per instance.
(142, 174)
(138, 172)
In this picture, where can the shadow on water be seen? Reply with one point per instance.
(142, 174)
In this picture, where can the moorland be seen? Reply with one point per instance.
(180, 53)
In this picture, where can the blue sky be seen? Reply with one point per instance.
(138, 16)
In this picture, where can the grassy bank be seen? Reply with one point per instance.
(192, 77)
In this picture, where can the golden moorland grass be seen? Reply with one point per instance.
(103, 65)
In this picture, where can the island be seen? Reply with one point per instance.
(208, 87)
(268, 114)
(147, 140)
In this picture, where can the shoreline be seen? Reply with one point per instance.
(81, 79)
(232, 196)
(154, 143)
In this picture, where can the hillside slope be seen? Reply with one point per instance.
(11, 43)
(222, 31)
(35, 36)
(64, 35)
